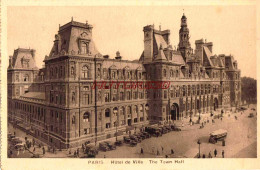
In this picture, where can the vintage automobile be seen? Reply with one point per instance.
(168, 127)
(140, 136)
(146, 134)
(111, 145)
(119, 143)
(217, 135)
(251, 115)
(163, 129)
(133, 143)
(175, 128)
(153, 131)
(103, 146)
(19, 146)
(135, 138)
(91, 151)
(17, 140)
(127, 139)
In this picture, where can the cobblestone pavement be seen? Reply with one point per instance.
(240, 142)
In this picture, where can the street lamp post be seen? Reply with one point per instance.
(95, 79)
(116, 123)
(199, 147)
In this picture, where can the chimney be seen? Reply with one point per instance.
(10, 60)
(118, 57)
(33, 53)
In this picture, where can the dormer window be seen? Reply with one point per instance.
(84, 47)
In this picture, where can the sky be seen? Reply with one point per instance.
(232, 29)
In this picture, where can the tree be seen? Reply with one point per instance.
(248, 89)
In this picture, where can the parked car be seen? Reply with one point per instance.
(19, 146)
(163, 129)
(168, 127)
(217, 135)
(111, 145)
(141, 136)
(251, 115)
(146, 134)
(133, 143)
(135, 138)
(103, 146)
(153, 131)
(91, 151)
(127, 139)
(16, 140)
(118, 142)
(175, 128)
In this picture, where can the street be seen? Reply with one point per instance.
(241, 141)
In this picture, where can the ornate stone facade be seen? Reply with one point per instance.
(57, 103)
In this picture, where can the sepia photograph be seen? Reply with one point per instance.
(131, 82)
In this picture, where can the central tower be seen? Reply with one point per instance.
(184, 43)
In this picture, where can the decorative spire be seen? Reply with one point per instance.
(71, 18)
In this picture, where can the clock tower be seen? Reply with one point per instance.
(184, 43)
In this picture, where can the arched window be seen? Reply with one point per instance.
(86, 117)
(84, 48)
(128, 95)
(85, 71)
(26, 78)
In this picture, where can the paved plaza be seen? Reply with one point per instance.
(241, 141)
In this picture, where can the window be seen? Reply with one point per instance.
(86, 117)
(86, 99)
(165, 94)
(164, 72)
(84, 48)
(107, 113)
(85, 71)
(26, 78)
(107, 125)
(86, 131)
(135, 120)
(72, 71)
(106, 97)
(73, 96)
(121, 95)
(128, 95)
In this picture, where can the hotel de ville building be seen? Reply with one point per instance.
(58, 105)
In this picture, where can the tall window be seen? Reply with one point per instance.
(106, 97)
(86, 117)
(128, 95)
(26, 78)
(121, 95)
(85, 72)
(164, 73)
(107, 113)
(84, 48)
(85, 99)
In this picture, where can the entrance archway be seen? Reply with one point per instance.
(175, 114)
(215, 104)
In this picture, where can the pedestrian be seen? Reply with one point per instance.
(152, 150)
(172, 152)
(33, 149)
(142, 151)
(158, 153)
(223, 154)
(166, 156)
(162, 149)
(210, 156)
(43, 150)
(17, 152)
(104, 156)
(14, 133)
(203, 156)
(39, 145)
(75, 154)
(215, 152)
(69, 152)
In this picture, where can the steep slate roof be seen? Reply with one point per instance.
(122, 64)
(35, 95)
(19, 55)
(207, 56)
(161, 55)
